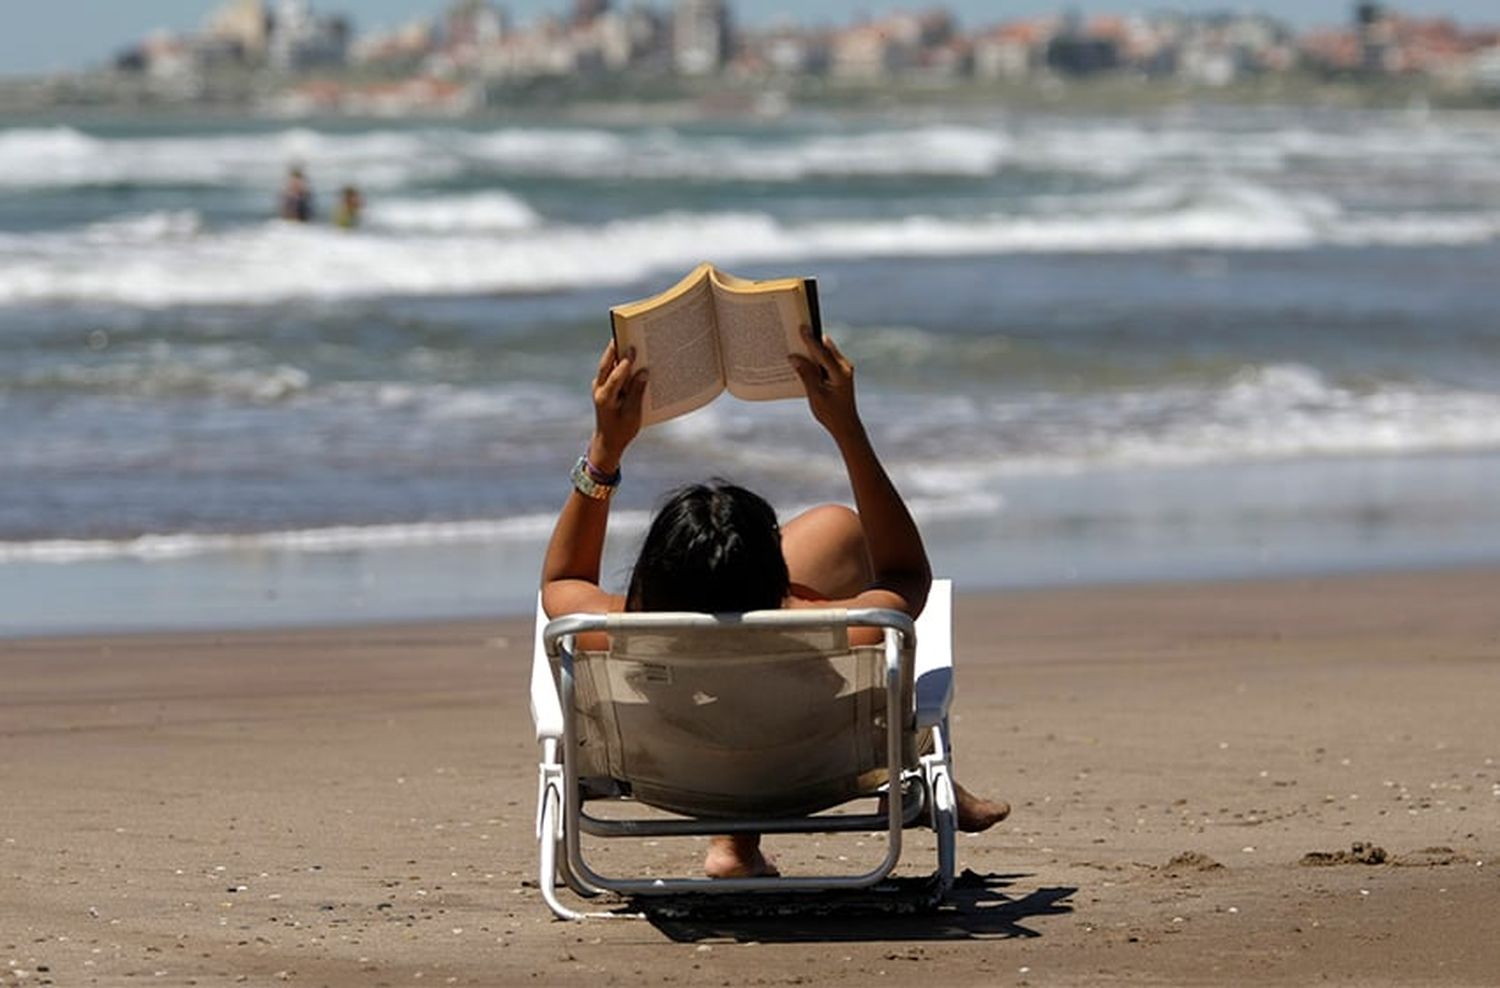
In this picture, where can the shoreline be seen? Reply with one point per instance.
(1111, 528)
(263, 585)
(504, 613)
(352, 806)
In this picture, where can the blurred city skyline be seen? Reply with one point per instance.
(78, 34)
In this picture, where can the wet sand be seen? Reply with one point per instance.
(354, 806)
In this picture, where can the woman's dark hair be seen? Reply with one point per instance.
(712, 547)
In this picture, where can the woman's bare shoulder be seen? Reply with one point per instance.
(800, 598)
(579, 597)
(874, 597)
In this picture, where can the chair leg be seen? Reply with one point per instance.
(562, 874)
(939, 778)
(553, 866)
(945, 824)
(566, 875)
(548, 838)
(552, 778)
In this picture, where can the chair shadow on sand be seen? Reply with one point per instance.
(977, 908)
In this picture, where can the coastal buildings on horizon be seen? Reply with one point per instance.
(289, 57)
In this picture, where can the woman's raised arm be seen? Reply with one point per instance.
(570, 570)
(902, 574)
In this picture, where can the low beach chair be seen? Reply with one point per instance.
(761, 722)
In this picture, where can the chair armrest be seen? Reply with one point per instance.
(546, 708)
(934, 661)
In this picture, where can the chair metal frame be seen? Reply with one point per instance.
(924, 789)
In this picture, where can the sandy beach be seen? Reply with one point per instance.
(354, 806)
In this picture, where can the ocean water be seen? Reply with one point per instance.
(1166, 346)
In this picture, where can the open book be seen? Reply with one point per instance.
(711, 332)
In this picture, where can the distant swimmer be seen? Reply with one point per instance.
(346, 213)
(296, 198)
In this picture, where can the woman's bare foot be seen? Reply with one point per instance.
(975, 813)
(738, 856)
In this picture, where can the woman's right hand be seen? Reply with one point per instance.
(619, 393)
(828, 377)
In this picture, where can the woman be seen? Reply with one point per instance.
(717, 547)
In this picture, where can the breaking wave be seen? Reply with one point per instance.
(483, 212)
(340, 538)
(64, 157)
(1267, 412)
(495, 243)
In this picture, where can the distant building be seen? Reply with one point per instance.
(470, 31)
(470, 47)
(945, 62)
(1334, 52)
(472, 24)
(169, 58)
(300, 40)
(1485, 70)
(1011, 51)
(700, 36)
(634, 39)
(1077, 51)
(588, 11)
(875, 50)
(650, 34)
(408, 44)
(788, 51)
(245, 24)
(1377, 36)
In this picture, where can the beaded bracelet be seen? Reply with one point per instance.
(600, 477)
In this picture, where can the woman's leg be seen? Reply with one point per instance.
(826, 553)
(828, 558)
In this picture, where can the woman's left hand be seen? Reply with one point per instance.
(619, 394)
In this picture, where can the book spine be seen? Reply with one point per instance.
(814, 314)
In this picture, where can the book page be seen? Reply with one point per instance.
(675, 341)
(756, 332)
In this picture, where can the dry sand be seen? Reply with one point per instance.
(354, 807)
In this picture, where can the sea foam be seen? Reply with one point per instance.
(338, 538)
(499, 245)
(494, 211)
(55, 157)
